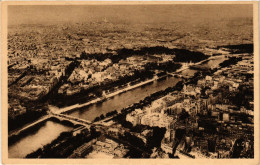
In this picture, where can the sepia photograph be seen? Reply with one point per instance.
(124, 81)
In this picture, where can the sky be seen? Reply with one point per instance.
(31, 14)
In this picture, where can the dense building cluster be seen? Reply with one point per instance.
(215, 121)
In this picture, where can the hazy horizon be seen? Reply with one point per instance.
(51, 14)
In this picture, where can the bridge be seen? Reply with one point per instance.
(175, 75)
(193, 65)
(72, 119)
(60, 117)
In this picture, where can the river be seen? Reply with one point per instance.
(123, 100)
(214, 62)
(45, 134)
(38, 138)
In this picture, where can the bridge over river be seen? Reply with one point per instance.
(74, 120)
(60, 117)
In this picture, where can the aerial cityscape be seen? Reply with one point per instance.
(131, 81)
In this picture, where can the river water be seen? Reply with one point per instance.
(51, 130)
(214, 62)
(123, 100)
(35, 140)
